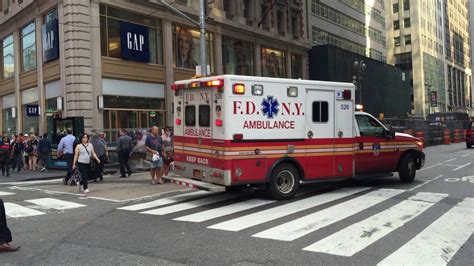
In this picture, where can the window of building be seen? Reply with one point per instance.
(320, 112)
(406, 22)
(396, 24)
(247, 5)
(281, 22)
(8, 57)
(50, 16)
(296, 66)
(227, 6)
(264, 17)
(186, 48)
(295, 26)
(237, 56)
(321, 37)
(406, 5)
(395, 8)
(339, 18)
(110, 19)
(273, 63)
(407, 39)
(28, 47)
(396, 41)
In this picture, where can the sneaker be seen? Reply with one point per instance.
(42, 169)
(64, 181)
(86, 191)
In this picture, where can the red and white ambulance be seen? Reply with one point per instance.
(232, 131)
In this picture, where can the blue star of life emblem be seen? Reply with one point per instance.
(270, 107)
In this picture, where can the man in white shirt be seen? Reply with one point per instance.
(66, 148)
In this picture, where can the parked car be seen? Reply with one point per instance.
(470, 135)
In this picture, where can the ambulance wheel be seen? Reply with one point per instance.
(284, 182)
(407, 168)
(468, 146)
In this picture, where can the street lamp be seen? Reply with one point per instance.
(359, 69)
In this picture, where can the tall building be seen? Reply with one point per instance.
(357, 26)
(113, 62)
(428, 38)
(471, 38)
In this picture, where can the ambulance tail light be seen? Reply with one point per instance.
(238, 136)
(346, 94)
(219, 122)
(178, 121)
(179, 167)
(238, 88)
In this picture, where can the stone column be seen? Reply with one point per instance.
(305, 67)
(218, 67)
(288, 64)
(78, 60)
(39, 70)
(169, 69)
(98, 115)
(18, 100)
(258, 59)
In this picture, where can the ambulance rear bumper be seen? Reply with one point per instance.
(202, 173)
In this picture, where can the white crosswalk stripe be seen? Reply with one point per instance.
(6, 193)
(358, 236)
(164, 201)
(191, 205)
(224, 210)
(17, 211)
(439, 242)
(261, 217)
(50, 203)
(315, 221)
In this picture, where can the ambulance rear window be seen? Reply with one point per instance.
(190, 116)
(204, 116)
(320, 112)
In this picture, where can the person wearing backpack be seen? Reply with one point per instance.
(83, 155)
(5, 151)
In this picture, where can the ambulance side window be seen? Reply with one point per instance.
(369, 127)
(320, 112)
(190, 116)
(204, 116)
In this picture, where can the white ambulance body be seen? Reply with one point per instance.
(238, 130)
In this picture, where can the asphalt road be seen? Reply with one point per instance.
(380, 221)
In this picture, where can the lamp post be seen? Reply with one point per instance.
(359, 69)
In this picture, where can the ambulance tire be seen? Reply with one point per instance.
(284, 182)
(407, 168)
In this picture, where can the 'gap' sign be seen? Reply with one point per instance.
(134, 42)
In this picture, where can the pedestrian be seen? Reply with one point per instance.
(5, 234)
(124, 147)
(32, 151)
(153, 145)
(26, 140)
(5, 151)
(44, 151)
(168, 151)
(102, 151)
(82, 160)
(65, 148)
(18, 149)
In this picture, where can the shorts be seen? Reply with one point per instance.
(156, 164)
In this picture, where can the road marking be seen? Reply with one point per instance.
(32, 182)
(428, 167)
(6, 193)
(164, 201)
(315, 221)
(427, 182)
(50, 203)
(264, 216)
(191, 204)
(466, 155)
(450, 160)
(224, 210)
(439, 242)
(462, 166)
(17, 211)
(358, 236)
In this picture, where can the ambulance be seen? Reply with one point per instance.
(233, 131)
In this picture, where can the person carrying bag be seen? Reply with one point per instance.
(82, 160)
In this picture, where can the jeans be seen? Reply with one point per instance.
(69, 158)
(19, 163)
(123, 161)
(5, 234)
(44, 158)
(5, 165)
(85, 169)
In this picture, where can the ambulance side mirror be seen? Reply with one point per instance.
(390, 133)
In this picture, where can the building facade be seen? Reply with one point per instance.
(420, 40)
(357, 26)
(113, 62)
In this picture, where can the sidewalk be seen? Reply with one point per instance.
(32, 175)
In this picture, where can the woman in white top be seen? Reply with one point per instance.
(82, 159)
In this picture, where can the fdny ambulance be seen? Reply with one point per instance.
(231, 131)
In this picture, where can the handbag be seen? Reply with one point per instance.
(76, 176)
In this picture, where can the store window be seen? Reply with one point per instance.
(110, 23)
(273, 63)
(28, 47)
(9, 114)
(187, 47)
(296, 66)
(8, 57)
(238, 57)
(30, 110)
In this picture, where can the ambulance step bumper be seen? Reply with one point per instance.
(195, 184)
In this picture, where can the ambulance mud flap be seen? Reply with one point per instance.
(196, 184)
